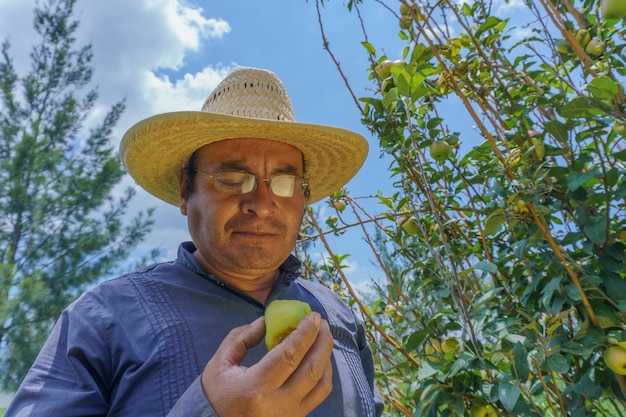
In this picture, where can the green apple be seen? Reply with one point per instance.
(521, 207)
(595, 47)
(440, 151)
(482, 410)
(282, 318)
(450, 344)
(339, 205)
(432, 350)
(540, 148)
(410, 225)
(399, 63)
(615, 359)
(404, 9)
(583, 36)
(619, 128)
(386, 85)
(461, 67)
(562, 46)
(383, 69)
(613, 9)
(405, 21)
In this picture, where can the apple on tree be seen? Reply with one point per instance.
(440, 151)
(450, 344)
(613, 9)
(338, 204)
(540, 148)
(482, 410)
(383, 69)
(619, 128)
(595, 47)
(615, 358)
(432, 350)
(583, 36)
(409, 224)
(405, 21)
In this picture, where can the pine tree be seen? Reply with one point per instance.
(61, 227)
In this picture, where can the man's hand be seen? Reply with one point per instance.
(292, 379)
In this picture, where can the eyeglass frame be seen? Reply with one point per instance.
(189, 184)
(214, 176)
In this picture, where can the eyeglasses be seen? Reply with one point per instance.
(235, 182)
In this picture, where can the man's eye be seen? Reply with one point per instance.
(231, 182)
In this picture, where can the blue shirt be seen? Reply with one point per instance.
(136, 346)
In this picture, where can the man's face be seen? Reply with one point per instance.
(243, 238)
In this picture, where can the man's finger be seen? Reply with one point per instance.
(320, 391)
(236, 344)
(315, 366)
(281, 362)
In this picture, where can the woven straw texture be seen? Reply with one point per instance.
(248, 103)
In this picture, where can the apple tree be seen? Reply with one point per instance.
(502, 248)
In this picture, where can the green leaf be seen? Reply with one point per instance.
(416, 339)
(595, 230)
(369, 48)
(520, 360)
(509, 394)
(605, 315)
(587, 387)
(621, 155)
(558, 130)
(603, 88)
(577, 179)
(579, 107)
(615, 286)
(573, 293)
(489, 23)
(520, 247)
(402, 82)
(390, 99)
(558, 363)
(494, 221)
(486, 266)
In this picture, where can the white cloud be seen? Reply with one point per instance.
(134, 44)
(188, 93)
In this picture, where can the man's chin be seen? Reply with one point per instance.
(257, 257)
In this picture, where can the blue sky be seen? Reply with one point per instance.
(167, 55)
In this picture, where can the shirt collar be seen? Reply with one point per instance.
(289, 270)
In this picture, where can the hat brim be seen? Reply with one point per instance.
(156, 149)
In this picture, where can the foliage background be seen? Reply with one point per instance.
(505, 264)
(62, 228)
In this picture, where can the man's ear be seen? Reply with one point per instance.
(183, 191)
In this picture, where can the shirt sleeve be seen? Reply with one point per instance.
(367, 360)
(193, 403)
(64, 380)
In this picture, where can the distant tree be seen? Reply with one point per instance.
(61, 228)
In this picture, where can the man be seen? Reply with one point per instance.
(182, 338)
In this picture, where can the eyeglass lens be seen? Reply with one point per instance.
(242, 183)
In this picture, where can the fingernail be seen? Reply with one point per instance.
(317, 318)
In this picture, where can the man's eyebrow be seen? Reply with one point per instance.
(238, 165)
(232, 166)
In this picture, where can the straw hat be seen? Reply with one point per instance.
(248, 103)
